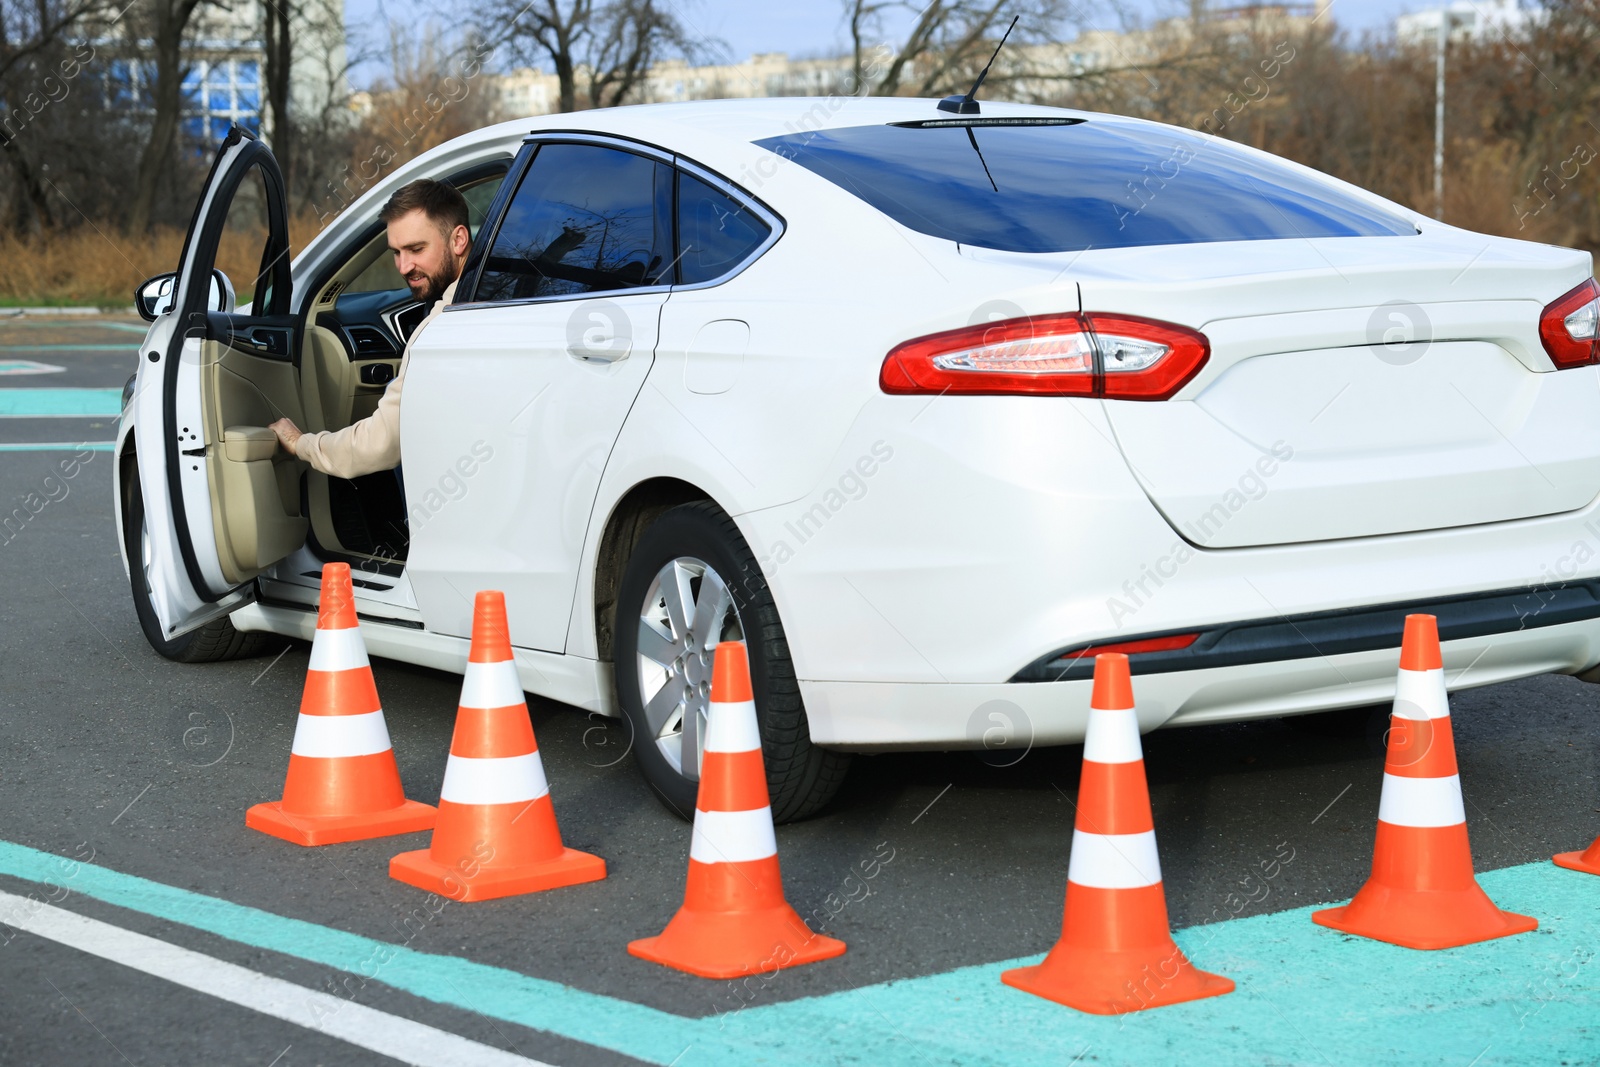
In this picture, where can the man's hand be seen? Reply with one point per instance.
(288, 433)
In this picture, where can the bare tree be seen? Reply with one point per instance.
(610, 45)
(164, 25)
(948, 42)
(277, 44)
(33, 77)
(632, 34)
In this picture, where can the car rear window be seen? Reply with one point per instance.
(1067, 185)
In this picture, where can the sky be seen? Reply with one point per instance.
(815, 27)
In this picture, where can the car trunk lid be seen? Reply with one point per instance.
(1356, 387)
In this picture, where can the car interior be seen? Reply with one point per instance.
(324, 370)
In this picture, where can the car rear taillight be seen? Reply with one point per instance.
(1094, 354)
(1569, 327)
(1170, 643)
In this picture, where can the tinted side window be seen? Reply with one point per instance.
(715, 232)
(1075, 185)
(585, 219)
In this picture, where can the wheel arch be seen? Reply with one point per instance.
(632, 514)
(127, 476)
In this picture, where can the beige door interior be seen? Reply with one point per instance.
(248, 380)
(347, 363)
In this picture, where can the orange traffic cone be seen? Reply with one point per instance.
(343, 784)
(497, 833)
(1587, 861)
(1116, 952)
(734, 920)
(1422, 893)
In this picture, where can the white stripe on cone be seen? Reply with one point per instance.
(491, 685)
(1114, 861)
(732, 836)
(332, 736)
(1421, 801)
(732, 727)
(338, 650)
(1113, 736)
(1421, 695)
(499, 780)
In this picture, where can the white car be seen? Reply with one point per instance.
(928, 407)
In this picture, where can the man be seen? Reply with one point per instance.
(428, 235)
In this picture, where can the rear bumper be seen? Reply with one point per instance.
(867, 716)
(1365, 629)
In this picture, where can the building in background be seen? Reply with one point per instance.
(1470, 20)
(530, 91)
(225, 83)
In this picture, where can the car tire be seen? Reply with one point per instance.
(801, 778)
(215, 641)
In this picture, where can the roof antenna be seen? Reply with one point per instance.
(968, 105)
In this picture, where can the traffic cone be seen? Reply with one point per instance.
(1422, 893)
(1116, 952)
(1587, 861)
(497, 833)
(734, 920)
(343, 784)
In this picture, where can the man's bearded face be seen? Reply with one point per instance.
(426, 257)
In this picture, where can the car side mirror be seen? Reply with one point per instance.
(222, 297)
(154, 297)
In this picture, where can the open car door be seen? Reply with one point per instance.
(221, 500)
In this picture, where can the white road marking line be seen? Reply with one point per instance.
(388, 1035)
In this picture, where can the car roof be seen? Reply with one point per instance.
(747, 120)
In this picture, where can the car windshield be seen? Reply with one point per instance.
(1065, 185)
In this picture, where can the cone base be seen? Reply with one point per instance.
(1114, 983)
(311, 830)
(571, 867)
(1424, 919)
(734, 944)
(1574, 861)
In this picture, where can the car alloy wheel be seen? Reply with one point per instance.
(690, 582)
(687, 611)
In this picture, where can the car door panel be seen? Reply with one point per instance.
(214, 502)
(515, 397)
(249, 383)
(504, 435)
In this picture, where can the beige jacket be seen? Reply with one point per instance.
(373, 443)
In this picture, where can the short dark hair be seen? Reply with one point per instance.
(440, 201)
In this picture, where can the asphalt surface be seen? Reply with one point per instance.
(147, 766)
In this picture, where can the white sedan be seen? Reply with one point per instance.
(926, 407)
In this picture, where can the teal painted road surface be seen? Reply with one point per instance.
(48, 403)
(1306, 995)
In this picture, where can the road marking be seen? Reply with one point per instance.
(69, 348)
(1334, 991)
(57, 446)
(632, 1029)
(378, 1031)
(33, 403)
(28, 366)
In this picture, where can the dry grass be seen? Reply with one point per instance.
(95, 267)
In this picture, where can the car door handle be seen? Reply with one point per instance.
(599, 333)
(615, 350)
